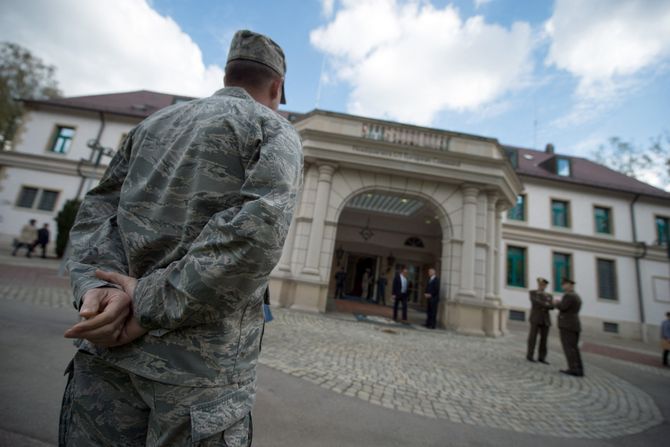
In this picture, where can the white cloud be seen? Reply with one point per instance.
(101, 47)
(606, 42)
(410, 60)
(327, 7)
(480, 3)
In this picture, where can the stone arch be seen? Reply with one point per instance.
(335, 208)
(440, 196)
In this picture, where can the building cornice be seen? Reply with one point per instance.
(43, 163)
(411, 161)
(573, 241)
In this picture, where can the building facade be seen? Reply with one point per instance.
(380, 195)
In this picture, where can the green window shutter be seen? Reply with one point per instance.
(516, 266)
(606, 279)
(603, 220)
(63, 140)
(562, 269)
(519, 210)
(662, 224)
(559, 213)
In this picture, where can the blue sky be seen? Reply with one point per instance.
(528, 116)
(569, 72)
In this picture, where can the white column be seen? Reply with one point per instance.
(318, 220)
(491, 199)
(445, 269)
(287, 251)
(498, 253)
(467, 286)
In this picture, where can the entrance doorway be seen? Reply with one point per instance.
(378, 234)
(362, 277)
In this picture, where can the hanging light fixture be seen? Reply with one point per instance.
(366, 233)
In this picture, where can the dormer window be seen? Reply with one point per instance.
(563, 167)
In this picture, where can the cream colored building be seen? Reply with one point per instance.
(380, 195)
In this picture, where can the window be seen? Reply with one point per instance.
(35, 198)
(560, 213)
(563, 167)
(519, 210)
(606, 279)
(27, 197)
(603, 219)
(517, 315)
(516, 266)
(662, 229)
(610, 327)
(562, 269)
(62, 139)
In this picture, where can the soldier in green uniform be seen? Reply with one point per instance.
(570, 327)
(541, 303)
(171, 255)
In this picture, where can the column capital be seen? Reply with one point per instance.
(470, 193)
(492, 200)
(326, 171)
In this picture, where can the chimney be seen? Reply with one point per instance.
(549, 148)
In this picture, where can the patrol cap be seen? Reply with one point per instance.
(542, 280)
(568, 281)
(250, 46)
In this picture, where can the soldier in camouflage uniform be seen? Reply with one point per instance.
(171, 254)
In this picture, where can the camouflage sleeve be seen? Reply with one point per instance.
(94, 239)
(231, 258)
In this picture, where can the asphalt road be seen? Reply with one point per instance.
(288, 412)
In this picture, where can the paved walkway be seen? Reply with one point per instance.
(435, 374)
(481, 382)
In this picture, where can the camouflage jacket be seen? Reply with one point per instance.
(196, 205)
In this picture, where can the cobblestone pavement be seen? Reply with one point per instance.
(475, 381)
(470, 380)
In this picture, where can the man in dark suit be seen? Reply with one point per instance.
(570, 327)
(432, 294)
(541, 303)
(340, 281)
(43, 239)
(400, 290)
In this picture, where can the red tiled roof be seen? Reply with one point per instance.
(535, 163)
(141, 103)
(530, 162)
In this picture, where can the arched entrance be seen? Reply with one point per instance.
(379, 232)
(467, 181)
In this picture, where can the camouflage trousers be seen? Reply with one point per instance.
(107, 406)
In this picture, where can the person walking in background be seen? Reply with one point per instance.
(570, 327)
(665, 338)
(433, 296)
(43, 239)
(399, 294)
(340, 282)
(541, 303)
(27, 239)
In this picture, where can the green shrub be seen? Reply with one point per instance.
(65, 221)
